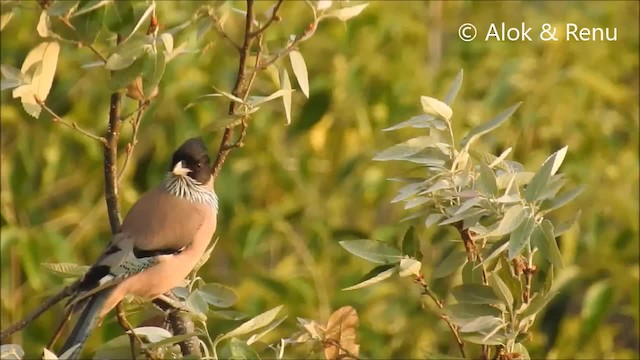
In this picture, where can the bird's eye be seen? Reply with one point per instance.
(199, 165)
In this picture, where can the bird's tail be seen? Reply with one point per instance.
(85, 324)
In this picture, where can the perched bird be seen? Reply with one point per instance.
(162, 238)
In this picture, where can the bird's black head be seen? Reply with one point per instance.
(191, 159)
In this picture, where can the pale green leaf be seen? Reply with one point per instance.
(502, 290)
(256, 323)
(286, 96)
(373, 251)
(561, 200)
(552, 246)
(347, 13)
(463, 313)
(520, 236)
(300, 71)
(540, 180)
(436, 107)
(408, 267)
(454, 260)
(377, 274)
(475, 294)
(218, 295)
(488, 126)
(144, 17)
(511, 219)
(453, 89)
(487, 180)
(167, 41)
(196, 304)
(404, 149)
(480, 324)
(240, 350)
(420, 122)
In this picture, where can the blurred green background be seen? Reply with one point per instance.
(293, 192)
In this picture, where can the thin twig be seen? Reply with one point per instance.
(425, 290)
(48, 303)
(90, 46)
(134, 139)
(71, 125)
(239, 89)
(224, 34)
(274, 16)
(306, 35)
(347, 354)
(133, 337)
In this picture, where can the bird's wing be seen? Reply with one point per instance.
(157, 224)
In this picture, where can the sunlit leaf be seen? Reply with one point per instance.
(372, 250)
(520, 236)
(347, 13)
(404, 149)
(488, 126)
(436, 107)
(542, 176)
(502, 290)
(453, 89)
(286, 96)
(420, 122)
(256, 323)
(408, 267)
(300, 71)
(487, 180)
(377, 274)
(481, 323)
(511, 219)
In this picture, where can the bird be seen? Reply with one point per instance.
(162, 238)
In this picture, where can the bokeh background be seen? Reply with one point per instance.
(293, 192)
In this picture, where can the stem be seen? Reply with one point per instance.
(71, 125)
(134, 139)
(240, 89)
(440, 304)
(274, 16)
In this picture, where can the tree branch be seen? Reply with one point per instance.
(274, 17)
(134, 138)
(71, 125)
(425, 290)
(48, 303)
(240, 89)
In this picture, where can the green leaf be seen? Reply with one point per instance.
(346, 13)
(561, 200)
(196, 304)
(268, 329)
(436, 107)
(404, 149)
(540, 180)
(300, 71)
(256, 323)
(119, 17)
(147, 13)
(463, 313)
(286, 96)
(377, 274)
(496, 249)
(371, 250)
(463, 215)
(520, 349)
(597, 303)
(218, 295)
(61, 7)
(520, 236)
(258, 100)
(411, 243)
(432, 219)
(502, 290)
(120, 79)
(88, 26)
(487, 180)
(453, 89)
(536, 305)
(241, 351)
(488, 126)
(565, 226)
(126, 53)
(471, 273)
(480, 324)
(511, 219)
(420, 122)
(552, 246)
(480, 339)
(450, 263)
(475, 294)
(468, 205)
(152, 76)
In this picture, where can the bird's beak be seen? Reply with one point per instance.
(180, 170)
